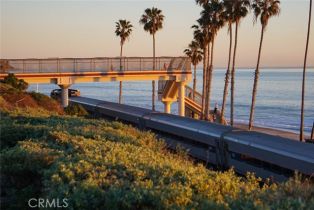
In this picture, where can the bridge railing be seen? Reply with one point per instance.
(197, 97)
(65, 65)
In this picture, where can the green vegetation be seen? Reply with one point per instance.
(16, 100)
(16, 83)
(97, 164)
(76, 110)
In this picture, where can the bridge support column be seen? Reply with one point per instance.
(181, 100)
(167, 106)
(64, 95)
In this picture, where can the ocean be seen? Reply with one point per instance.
(277, 104)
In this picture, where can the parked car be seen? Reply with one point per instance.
(56, 93)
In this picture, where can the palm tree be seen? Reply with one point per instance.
(212, 17)
(203, 37)
(202, 2)
(228, 17)
(304, 71)
(123, 30)
(196, 56)
(265, 9)
(240, 10)
(152, 19)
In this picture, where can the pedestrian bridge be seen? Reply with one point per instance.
(67, 71)
(77, 70)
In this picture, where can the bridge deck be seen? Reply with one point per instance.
(97, 69)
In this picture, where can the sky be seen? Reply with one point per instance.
(60, 28)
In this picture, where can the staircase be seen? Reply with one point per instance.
(193, 103)
(168, 91)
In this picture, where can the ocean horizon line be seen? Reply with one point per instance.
(263, 67)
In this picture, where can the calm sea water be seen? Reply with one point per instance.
(277, 104)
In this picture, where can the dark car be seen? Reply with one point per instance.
(56, 93)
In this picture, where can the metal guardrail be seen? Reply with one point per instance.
(102, 64)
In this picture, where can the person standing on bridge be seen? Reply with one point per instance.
(123, 30)
(215, 112)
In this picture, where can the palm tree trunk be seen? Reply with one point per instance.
(194, 88)
(194, 83)
(304, 74)
(233, 74)
(256, 81)
(154, 68)
(209, 81)
(204, 80)
(121, 48)
(208, 56)
(120, 83)
(206, 84)
(224, 100)
(154, 55)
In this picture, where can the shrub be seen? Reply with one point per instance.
(76, 110)
(20, 99)
(46, 102)
(97, 164)
(12, 99)
(39, 97)
(16, 83)
(4, 105)
(22, 168)
(5, 88)
(12, 133)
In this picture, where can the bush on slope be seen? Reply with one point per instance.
(107, 165)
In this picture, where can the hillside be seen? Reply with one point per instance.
(15, 100)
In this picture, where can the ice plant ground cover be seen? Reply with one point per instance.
(97, 164)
